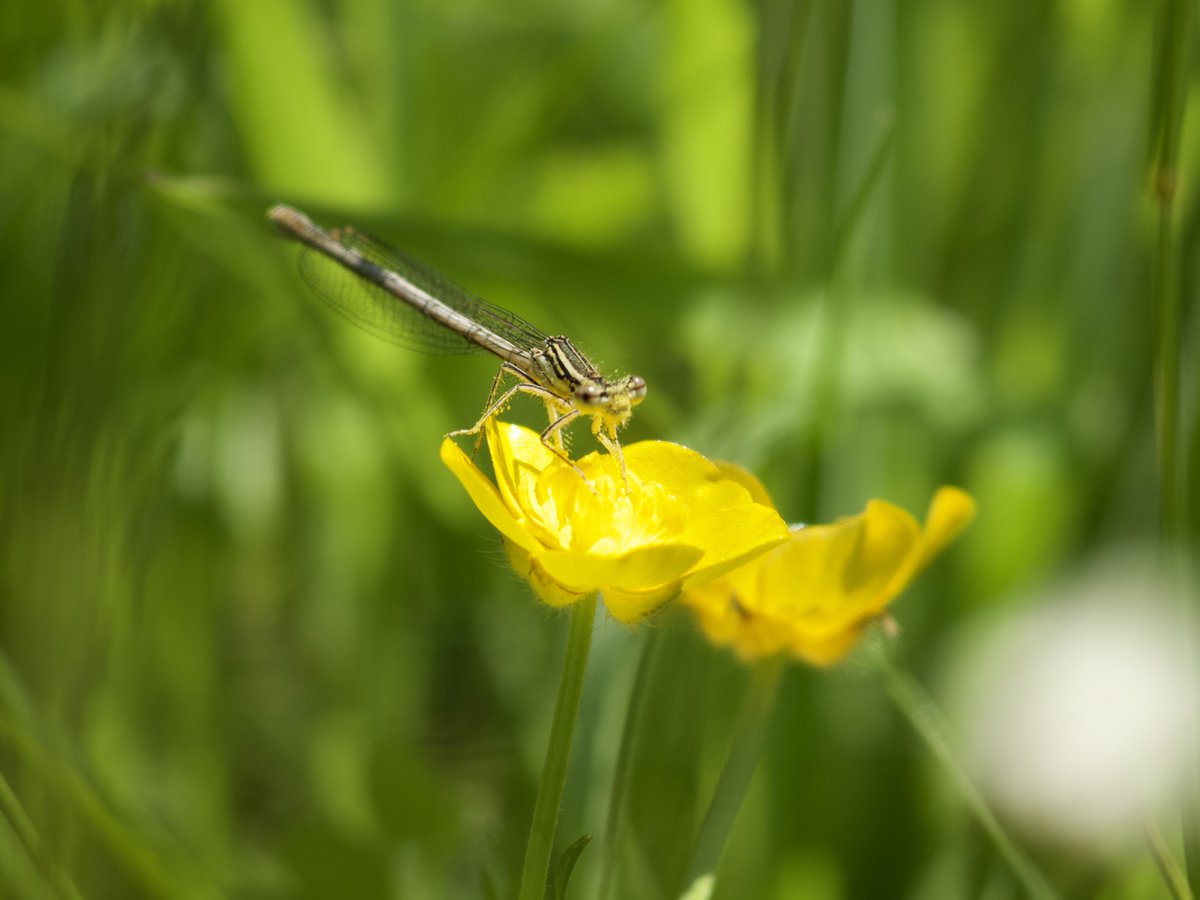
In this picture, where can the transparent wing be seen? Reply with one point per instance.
(366, 303)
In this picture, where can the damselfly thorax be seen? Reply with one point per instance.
(403, 301)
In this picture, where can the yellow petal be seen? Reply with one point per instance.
(484, 495)
(816, 593)
(725, 621)
(548, 591)
(732, 535)
(730, 514)
(678, 469)
(632, 606)
(746, 479)
(950, 511)
(827, 651)
(518, 455)
(646, 568)
(830, 576)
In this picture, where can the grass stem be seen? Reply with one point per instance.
(734, 780)
(921, 712)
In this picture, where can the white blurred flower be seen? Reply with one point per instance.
(1080, 712)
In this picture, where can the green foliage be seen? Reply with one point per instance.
(565, 865)
(253, 640)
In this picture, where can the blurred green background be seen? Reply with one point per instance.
(255, 642)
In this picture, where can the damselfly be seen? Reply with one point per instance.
(397, 298)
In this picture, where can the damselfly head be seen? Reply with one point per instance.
(613, 401)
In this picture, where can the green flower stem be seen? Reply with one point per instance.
(926, 720)
(735, 776)
(554, 770)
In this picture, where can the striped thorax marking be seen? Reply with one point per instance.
(561, 369)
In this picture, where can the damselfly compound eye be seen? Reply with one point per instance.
(636, 385)
(590, 394)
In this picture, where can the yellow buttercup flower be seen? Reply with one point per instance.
(813, 595)
(675, 520)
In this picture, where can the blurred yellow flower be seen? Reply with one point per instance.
(677, 522)
(813, 595)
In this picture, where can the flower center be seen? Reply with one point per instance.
(604, 515)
